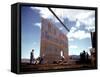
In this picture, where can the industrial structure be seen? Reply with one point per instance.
(93, 49)
(54, 43)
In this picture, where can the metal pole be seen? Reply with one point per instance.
(58, 18)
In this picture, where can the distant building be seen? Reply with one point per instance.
(54, 43)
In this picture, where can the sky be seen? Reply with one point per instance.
(80, 23)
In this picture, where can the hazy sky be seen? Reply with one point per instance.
(80, 23)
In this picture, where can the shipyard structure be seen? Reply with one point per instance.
(54, 43)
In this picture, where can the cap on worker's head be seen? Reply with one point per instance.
(32, 49)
